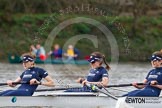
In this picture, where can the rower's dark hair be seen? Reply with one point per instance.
(161, 51)
(103, 59)
(158, 53)
(30, 54)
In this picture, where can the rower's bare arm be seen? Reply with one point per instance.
(49, 81)
(10, 83)
(80, 80)
(95, 83)
(158, 86)
(155, 84)
(105, 81)
(140, 86)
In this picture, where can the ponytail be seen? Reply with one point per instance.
(104, 60)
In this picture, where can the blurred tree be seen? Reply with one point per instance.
(140, 8)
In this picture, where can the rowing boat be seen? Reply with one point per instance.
(79, 99)
(57, 97)
(16, 59)
(60, 99)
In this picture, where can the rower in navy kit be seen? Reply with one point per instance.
(32, 76)
(98, 74)
(153, 81)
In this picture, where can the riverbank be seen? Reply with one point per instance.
(19, 31)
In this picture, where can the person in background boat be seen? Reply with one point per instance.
(98, 74)
(153, 81)
(39, 51)
(57, 52)
(32, 76)
(72, 53)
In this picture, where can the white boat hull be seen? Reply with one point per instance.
(79, 100)
(74, 100)
(57, 101)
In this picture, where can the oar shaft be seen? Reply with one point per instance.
(108, 94)
(99, 90)
(54, 89)
(123, 85)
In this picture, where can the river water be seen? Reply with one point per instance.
(65, 75)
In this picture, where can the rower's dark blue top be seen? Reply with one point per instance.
(155, 74)
(32, 73)
(97, 74)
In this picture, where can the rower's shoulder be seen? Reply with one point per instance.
(38, 69)
(102, 69)
(151, 71)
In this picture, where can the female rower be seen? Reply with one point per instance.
(153, 81)
(98, 74)
(30, 79)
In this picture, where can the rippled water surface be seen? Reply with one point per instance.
(67, 74)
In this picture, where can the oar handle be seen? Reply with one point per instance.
(123, 85)
(2, 84)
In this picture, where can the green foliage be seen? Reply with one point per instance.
(20, 33)
(82, 28)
